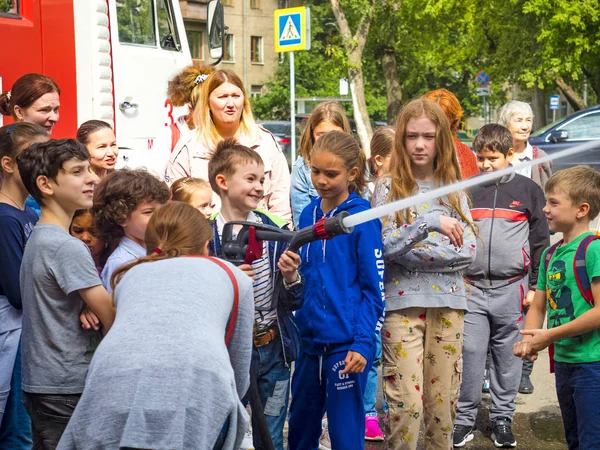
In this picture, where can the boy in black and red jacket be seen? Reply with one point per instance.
(514, 232)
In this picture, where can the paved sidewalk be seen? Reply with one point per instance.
(537, 422)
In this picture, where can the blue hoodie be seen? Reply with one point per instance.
(343, 285)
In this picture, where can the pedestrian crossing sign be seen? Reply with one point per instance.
(292, 29)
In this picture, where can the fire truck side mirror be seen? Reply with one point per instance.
(216, 30)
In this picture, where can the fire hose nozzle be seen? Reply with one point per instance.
(323, 229)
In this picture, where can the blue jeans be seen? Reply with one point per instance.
(15, 431)
(274, 390)
(370, 397)
(578, 391)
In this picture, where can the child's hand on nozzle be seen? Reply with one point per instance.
(354, 362)
(288, 265)
(89, 320)
(248, 270)
(452, 228)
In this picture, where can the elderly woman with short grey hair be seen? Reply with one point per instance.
(518, 118)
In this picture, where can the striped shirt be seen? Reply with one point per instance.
(264, 314)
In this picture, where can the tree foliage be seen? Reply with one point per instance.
(524, 45)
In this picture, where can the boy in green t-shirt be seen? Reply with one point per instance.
(572, 202)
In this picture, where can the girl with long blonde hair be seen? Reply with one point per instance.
(425, 249)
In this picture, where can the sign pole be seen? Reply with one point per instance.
(292, 32)
(484, 110)
(293, 107)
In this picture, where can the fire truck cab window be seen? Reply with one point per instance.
(136, 22)
(9, 8)
(167, 30)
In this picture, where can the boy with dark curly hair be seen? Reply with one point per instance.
(123, 204)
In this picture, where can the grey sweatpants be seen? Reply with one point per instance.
(495, 317)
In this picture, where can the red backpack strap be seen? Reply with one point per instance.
(236, 295)
(549, 254)
(175, 135)
(579, 269)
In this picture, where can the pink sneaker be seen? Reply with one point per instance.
(372, 430)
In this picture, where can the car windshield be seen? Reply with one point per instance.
(277, 128)
(542, 130)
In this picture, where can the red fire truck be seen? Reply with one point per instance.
(111, 59)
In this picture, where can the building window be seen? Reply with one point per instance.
(227, 2)
(256, 90)
(228, 47)
(255, 4)
(195, 42)
(256, 53)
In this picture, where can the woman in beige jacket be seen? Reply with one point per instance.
(223, 111)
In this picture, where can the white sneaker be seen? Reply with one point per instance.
(247, 442)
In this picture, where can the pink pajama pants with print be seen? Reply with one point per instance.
(422, 354)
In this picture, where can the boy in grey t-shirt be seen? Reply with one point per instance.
(58, 277)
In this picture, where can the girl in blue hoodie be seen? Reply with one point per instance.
(343, 304)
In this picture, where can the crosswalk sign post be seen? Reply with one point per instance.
(292, 33)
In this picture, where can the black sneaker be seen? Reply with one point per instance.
(462, 434)
(525, 387)
(502, 434)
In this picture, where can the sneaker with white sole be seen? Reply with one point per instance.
(462, 434)
(372, 430)
(502, 434)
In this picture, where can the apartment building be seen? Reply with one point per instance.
(249, 43)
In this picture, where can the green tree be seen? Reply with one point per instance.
(318, 70)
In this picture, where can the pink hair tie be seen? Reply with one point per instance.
(157, 250)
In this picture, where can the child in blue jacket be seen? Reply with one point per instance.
(343, 304)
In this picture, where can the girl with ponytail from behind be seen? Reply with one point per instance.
(177, 350)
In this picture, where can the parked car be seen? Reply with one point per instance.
(577, 128)
(282, 130)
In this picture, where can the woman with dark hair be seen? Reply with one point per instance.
(99, 139)
(223, 111)
(454, 113)
(34, 98)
